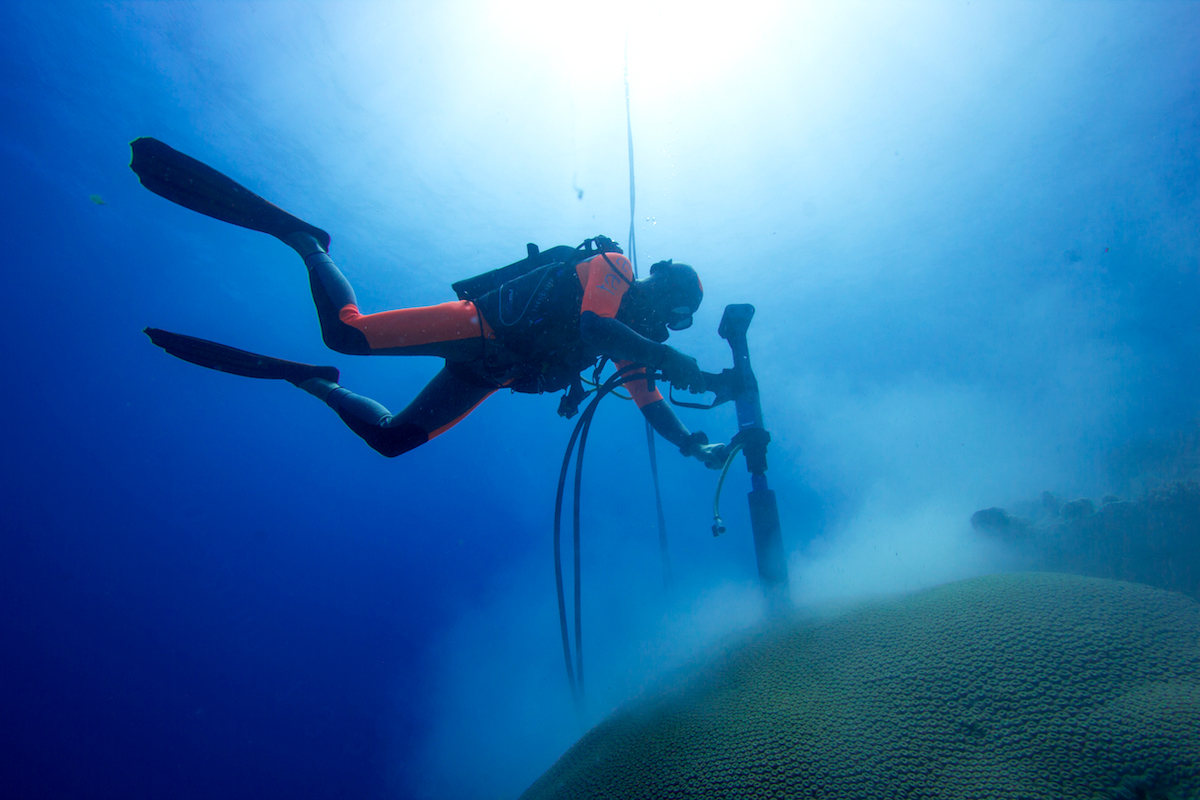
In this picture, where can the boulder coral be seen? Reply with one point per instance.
(1027, 685)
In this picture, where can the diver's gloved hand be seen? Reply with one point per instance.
(681, 370)
(713, 455)
(696, 445)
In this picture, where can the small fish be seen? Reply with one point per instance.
(97, 199)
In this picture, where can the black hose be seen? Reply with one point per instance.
(591, 410)
(575, 672)
(558, 577)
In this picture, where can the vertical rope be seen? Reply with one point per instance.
(662, 520)
(632, 189)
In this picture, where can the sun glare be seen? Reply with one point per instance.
(674, 45)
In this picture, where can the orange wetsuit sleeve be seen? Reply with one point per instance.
(642, 395)
(603, 287)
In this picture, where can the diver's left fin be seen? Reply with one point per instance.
(224, 358)
(193, 184)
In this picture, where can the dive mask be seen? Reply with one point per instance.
(679, 319)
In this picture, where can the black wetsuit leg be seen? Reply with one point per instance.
(453, 331)
(331, 293)
(444, 401)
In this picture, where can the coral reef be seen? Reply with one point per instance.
(1028, 685)
(1153, 540)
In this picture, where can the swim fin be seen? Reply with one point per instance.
(236, 362)
(187, 182)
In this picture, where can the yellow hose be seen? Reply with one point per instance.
(718, 524)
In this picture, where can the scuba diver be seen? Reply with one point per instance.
(531, 327)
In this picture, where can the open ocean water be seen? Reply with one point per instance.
(969, 230)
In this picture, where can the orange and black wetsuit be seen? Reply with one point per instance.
(528, 336)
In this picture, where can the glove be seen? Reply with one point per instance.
(713, 455)
(681, 370)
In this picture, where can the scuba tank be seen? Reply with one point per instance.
(475, 287)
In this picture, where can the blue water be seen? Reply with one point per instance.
(969, 229)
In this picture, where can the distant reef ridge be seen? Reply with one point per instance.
(1154, 539)
(1022, 685)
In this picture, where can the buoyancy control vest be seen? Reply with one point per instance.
(533, 306)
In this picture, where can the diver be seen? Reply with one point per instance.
(531, 327)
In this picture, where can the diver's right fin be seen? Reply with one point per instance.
(195, 185)
(237, 362)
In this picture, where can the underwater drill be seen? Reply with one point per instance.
(738, 385)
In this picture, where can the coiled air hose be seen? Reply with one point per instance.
(580, 434)
(718, 524)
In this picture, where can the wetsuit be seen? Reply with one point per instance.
(530, 342)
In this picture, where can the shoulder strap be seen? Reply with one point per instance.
(602, 247)
(613, 267)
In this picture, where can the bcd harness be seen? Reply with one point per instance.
(533, 305)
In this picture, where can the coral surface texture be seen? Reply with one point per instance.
(1027, 685)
